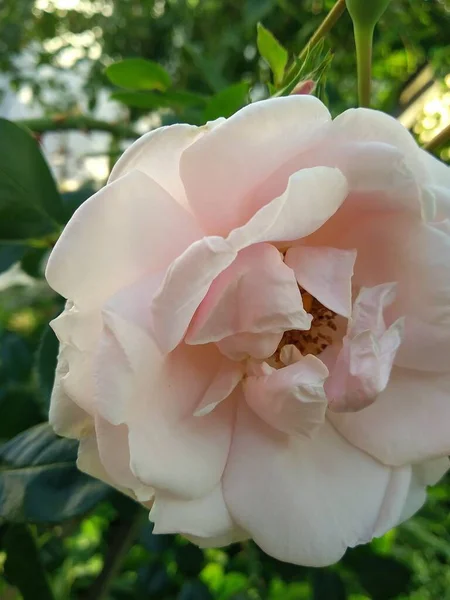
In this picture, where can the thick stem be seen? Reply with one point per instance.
(325, 27)
(439, 140)
(363, 42)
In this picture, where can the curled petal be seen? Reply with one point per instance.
(291, 399)
(326, 273)
(257, 293)
(286, 218)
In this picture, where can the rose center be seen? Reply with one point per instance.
(316, 339)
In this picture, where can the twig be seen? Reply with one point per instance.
(326, 26)
(79, 123)
(123, 536)
(439, 140)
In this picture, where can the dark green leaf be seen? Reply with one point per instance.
(155, 100)
(73, 200)
(138, 74)
(30, 205)
(23, 566)
(190, 559)
(227, 102)
(194, 590)
(46, 363)
(382, 577)
(15, 357)
(33, 261)
(272, 51)
(39, 480)
(19, 409)
(10, 254)
(327, 585)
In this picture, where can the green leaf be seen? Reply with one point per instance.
(155, 100)
(46, 363)
(194, 590)
(138, 74)
(23, 565)
(272, 51)
(10, 254)
(73, 200)
(33, 262)
(30, 206)
(227, 102)
(39, 480)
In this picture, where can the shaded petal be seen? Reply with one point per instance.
(222, 197)
(291, 399)
(324, 495)
(171, 449)
(65, 416)
(227, 377)
(423, 474)
(364, 363)
(89, 462)
(128, 228)
(326, 273)
(205, 517)
(114, 454)
(241, 346)
(286, 218)
(408, 423)
(257, 293)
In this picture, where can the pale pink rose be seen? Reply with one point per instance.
(256, 341)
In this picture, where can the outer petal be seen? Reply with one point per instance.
(423, 475)
(326, 273)
(114, 454)
(129, 228)
(65, 416)
(157, 154)
(222, 197)
(171, 449)
(305, 501)
(205, 517)
(291, 399)
(257, 293)
(286, 218)
(408, 423)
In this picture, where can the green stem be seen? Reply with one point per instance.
(363, 42)
(325, 27)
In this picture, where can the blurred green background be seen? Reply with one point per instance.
(62, 534)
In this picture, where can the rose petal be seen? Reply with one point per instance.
(114, 454)
(257, 293)
(322, 494)
(157, 154)
(291, 399)
(286, 218)
(408, 423)
(326, 273)
(127, 229)
(222, 197)
(242, 346)
(171, 449)
(205, 517)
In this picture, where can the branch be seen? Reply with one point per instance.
(80, 123)
(122, 537)
(439, 140)
(325, 27)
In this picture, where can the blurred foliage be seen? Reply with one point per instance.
(62, 534)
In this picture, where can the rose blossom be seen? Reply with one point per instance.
(256, 340)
